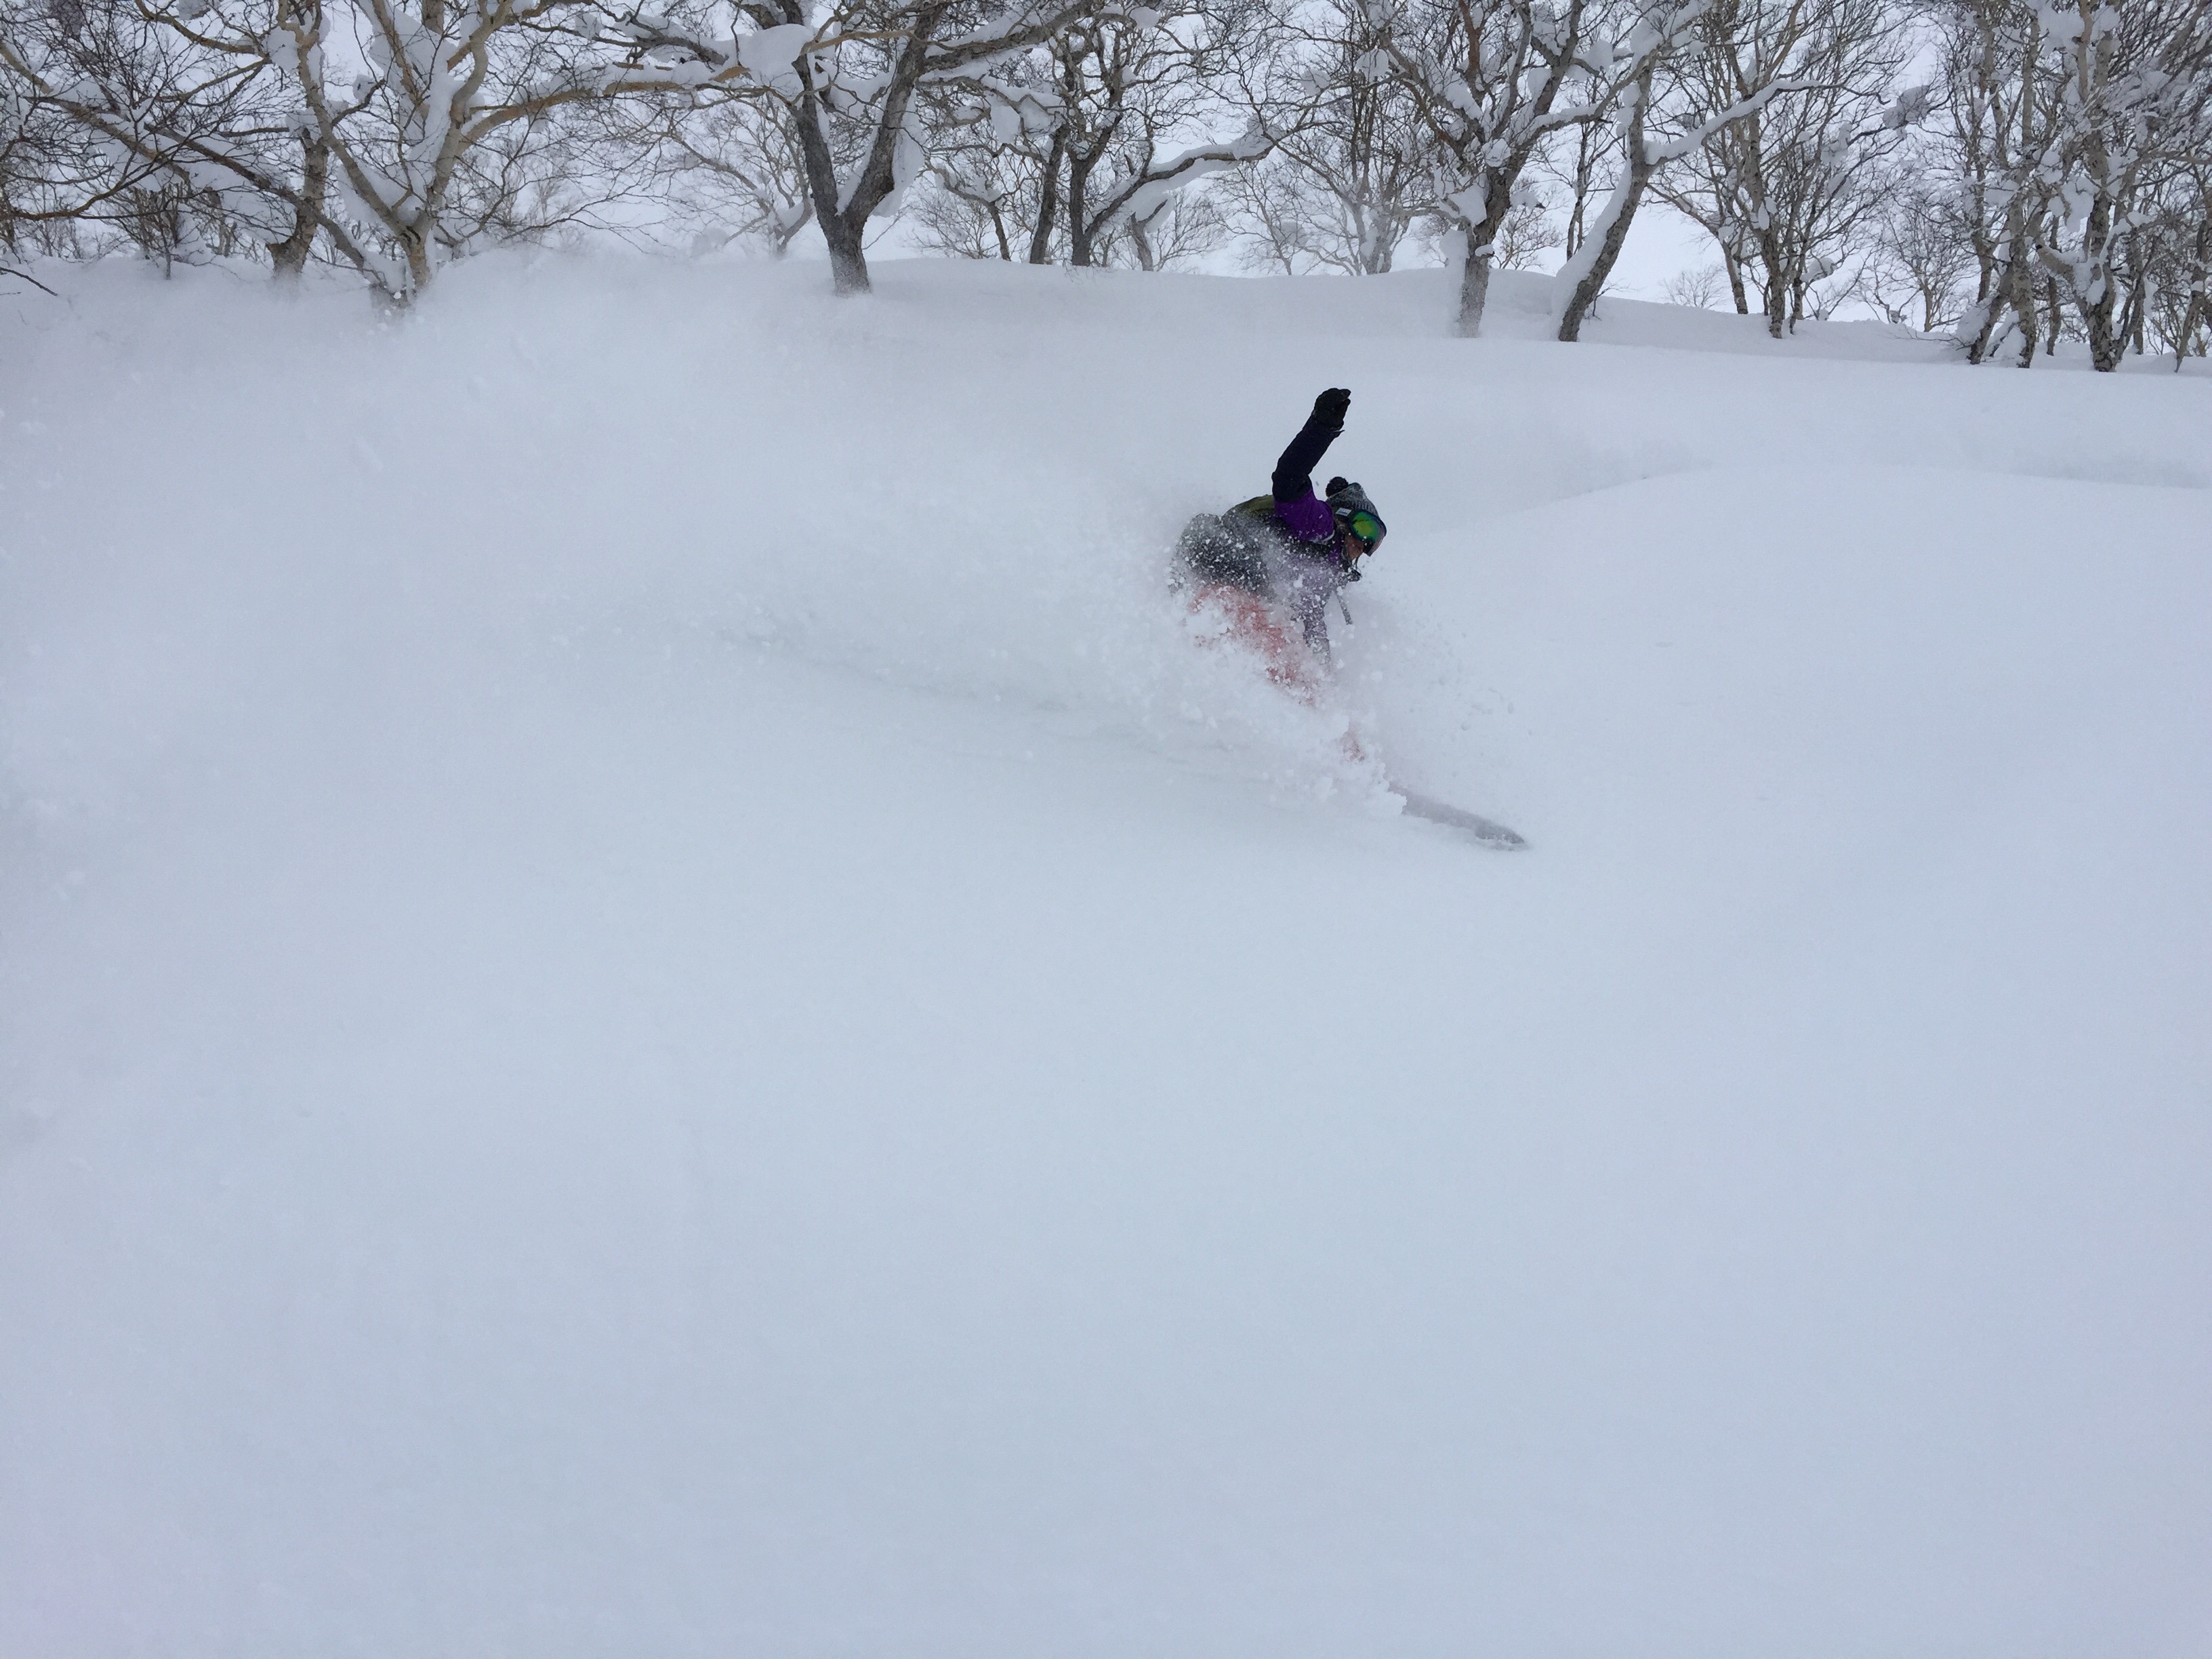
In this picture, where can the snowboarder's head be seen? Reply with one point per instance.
(1359, 527)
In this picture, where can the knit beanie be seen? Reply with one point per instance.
(1345, 499)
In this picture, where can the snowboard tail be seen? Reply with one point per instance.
(1488, 831)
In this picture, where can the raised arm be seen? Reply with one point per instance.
(1293, 478)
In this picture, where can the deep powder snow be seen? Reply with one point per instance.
(655, 1004)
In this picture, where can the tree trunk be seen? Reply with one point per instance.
(1377, 246)
(1049, 201)
(1985, 261)
(1143, 244)
(1613, 227)
(2106, 346)
(1474, 274)
(415, 247)
(2132, 326)
(1473, 291)
(291, 255)
(2196, 295)
(848, 258)
(2014, 290)
(1991, 307)
(844, 224)
(1080, 229)
(2023, 305)
(1776, 283)
(1735, 281)
(1577, 231)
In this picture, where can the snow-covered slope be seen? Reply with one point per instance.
(653, 1006)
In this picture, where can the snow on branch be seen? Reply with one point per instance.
(1147, 192)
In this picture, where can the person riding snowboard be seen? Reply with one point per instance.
(1288, 553)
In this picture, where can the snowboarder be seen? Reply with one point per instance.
(1283, 557)
(1279, 559)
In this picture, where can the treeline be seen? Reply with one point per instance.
(2014, 172)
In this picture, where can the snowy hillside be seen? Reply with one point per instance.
(654, 1005)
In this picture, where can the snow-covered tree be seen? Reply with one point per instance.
(402, 131)
(1497, 82)
(1785, 189)
(2170, 248)
(2133, 87)
(1918, 256)
(52, 171)
(863, 79)
(727, 167)
(1356, 167)
(147, 107)
(1492, 82)
(1083, 143)
(2075, 132)
(1653, 37)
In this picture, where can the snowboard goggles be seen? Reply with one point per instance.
(1367, 527)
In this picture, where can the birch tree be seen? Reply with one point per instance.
(1492, 81)
(1784, 189)
(150, 108)
(2068, 125)
(1634, 62)
(1920, 252)
(2131, 91)
(866, 68)
(1355, 168)
(1075, 145)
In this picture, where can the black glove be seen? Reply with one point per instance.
(1329, 407)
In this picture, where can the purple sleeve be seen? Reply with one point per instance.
(1304, 515)
(1294, 472)
(1308, 517)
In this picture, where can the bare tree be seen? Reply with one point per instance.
(1649, 45)
(870, 75)
(1070, 147)
(994, 173)
(402, 131)
(1783, 188)
(1118, 84)
(1920, 254)
(138, 110)
(1178, 230)
(1355, 167)
(1492, 81)
(52, 171)
(1698, 289)
(1275, 210)
(727, 165)
(1123, 87)
(2133, 89)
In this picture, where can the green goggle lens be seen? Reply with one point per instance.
(1366, 526)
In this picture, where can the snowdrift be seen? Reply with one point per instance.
(654, 1005)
